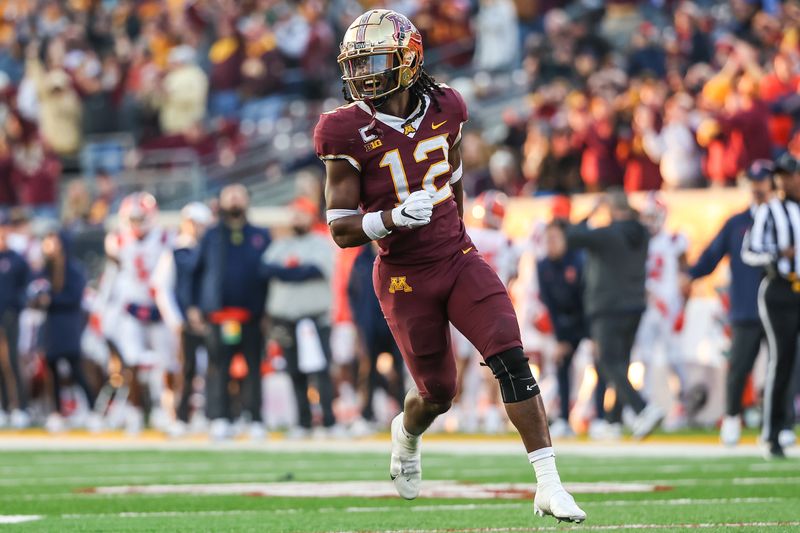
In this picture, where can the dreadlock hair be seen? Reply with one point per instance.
(424, 86)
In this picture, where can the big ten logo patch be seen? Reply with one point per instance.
(399, 284)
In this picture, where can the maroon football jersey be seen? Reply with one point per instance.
(394, 161)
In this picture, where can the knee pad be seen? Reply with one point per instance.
(511, 370)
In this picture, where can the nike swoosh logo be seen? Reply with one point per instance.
(403, 212)
(465, 252)
(437, 126)
(393, 477)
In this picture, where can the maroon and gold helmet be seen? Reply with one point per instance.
(381, 53)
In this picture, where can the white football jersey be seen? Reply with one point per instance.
(137, 258)
(497, 250)
(663, 271)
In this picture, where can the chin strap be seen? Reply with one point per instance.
(373, 125)
(422, 108)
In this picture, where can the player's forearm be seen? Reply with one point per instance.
(458, 194)
(348, 232)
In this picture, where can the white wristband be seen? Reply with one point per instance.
(457, 173)
(336, 214)
(373, 227)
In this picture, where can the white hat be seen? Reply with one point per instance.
(197, 212)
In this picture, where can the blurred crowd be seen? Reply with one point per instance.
(632, 93)
(646, 96)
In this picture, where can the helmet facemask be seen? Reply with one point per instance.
(373, 76)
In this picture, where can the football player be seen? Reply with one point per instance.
(662, 322)
(393, 176)
(146, 344)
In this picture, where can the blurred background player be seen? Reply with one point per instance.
(172, 282)
(146, 345)
(658, 340)
(488, 213)
(748, 333)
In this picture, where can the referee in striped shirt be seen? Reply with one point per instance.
(774, 243)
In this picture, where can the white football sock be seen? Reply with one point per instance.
(544, 466)
(411, 440)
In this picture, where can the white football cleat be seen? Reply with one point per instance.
(405, 467)
(555, 501)
(730, 432)
(647, 421)
(361, 428)
(257, 431)
(220, 430)
(493, 421)
(599, 429)
(20, 419)
(298, 433)
(560, 429)
(177, 430)
(55, 423)
(134, 421)
(787, 438)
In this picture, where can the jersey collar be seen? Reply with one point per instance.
(396, 123)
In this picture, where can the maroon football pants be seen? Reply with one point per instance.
(419, 301)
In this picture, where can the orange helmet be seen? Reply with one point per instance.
(381, 52)
(490, 209)
(137, 213)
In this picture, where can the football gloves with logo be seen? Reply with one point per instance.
(415, 211)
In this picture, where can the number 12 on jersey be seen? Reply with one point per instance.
(393, 160)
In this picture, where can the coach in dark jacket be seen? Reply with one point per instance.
(14, 278)
(615, 300)
(58, 291)
(745, 280)
(228, 298)
(561, 279)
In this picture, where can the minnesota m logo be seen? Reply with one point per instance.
(399, 284)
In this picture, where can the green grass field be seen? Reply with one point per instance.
(65, 491)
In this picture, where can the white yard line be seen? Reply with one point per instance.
(18, 518)
(380, 444)
(416, 508)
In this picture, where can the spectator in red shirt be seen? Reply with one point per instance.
(641, 173)
(599, 166)
(773, 87)
(35, 169)
(747, 126)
